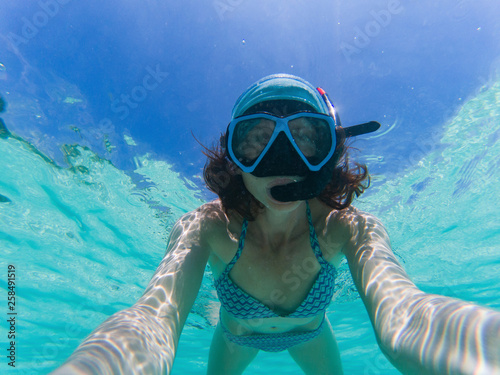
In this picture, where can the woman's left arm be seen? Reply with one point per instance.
(419, 333)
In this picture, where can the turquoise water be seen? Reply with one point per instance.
(86, 239)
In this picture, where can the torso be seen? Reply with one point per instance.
(279, 277)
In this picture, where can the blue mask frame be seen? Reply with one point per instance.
(281, 126)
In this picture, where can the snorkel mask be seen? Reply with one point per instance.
(301, 144)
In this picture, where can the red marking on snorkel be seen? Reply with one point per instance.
(328, 103)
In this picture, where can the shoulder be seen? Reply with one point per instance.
(362, 225)
(211, 224)
(347, 228)
(364, 236)
(213, 218)
(351, 222)
(334, 225)
(196, 224)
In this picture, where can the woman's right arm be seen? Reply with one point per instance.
(143, 338)
(419, 333)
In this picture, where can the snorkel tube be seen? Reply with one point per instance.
(329, 105)
(350, 131)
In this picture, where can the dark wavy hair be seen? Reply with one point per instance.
(221, 177)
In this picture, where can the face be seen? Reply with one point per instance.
(256, 139)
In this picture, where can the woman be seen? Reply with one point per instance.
(273, 240)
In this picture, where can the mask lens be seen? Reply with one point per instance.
(312, 136)
(250, 137)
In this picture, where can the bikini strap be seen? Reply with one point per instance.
(314, 239)
(241, 244)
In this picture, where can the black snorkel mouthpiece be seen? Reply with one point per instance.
(312, 185)
(283, 160)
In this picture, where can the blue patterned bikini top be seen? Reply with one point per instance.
(241, 305)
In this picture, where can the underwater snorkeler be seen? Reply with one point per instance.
(273, 240)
